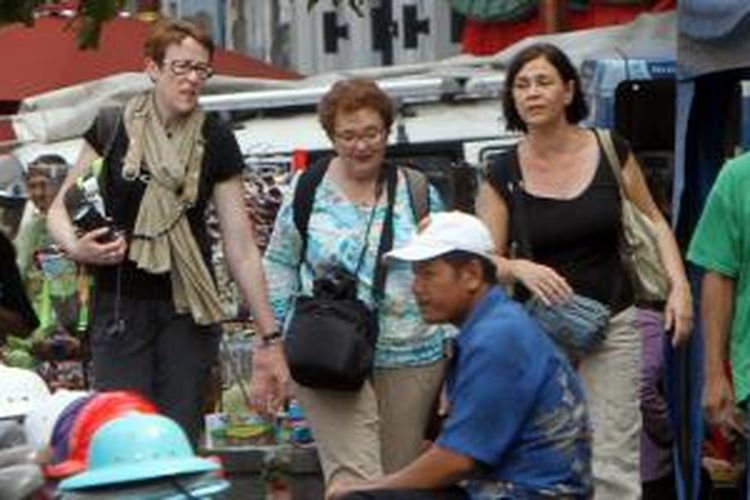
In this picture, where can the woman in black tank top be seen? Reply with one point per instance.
(572, 219)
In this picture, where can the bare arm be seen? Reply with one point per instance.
(542, 281)
(436, 468)
(493, 211)
(84, 248)
(241, 252)
(269, 384)
(679, 309)
(717, 310)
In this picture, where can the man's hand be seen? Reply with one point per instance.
(269, 387)
(719, 404)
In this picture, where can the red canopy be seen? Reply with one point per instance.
(45, 57)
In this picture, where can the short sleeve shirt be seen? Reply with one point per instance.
(516, 408)
(221, 161)
(721, 243)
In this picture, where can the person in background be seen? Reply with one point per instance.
(379, 428)
(657, 434)
(572, 203)
(52, 281)
(156, 311)
(53, 293)
(517, 425)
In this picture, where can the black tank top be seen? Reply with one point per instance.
(578, 237)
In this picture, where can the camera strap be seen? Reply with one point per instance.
(366, 243)
(389, 175)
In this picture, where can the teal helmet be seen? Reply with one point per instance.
(138, 447)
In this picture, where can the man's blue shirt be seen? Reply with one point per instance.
(517, 408)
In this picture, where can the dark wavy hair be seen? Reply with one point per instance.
(576, 111)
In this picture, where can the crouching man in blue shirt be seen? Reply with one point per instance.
(517, 426)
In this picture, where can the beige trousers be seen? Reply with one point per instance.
(611, 378)
(378, 429)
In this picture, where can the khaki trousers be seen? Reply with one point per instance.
(611, 376)
(378, 429)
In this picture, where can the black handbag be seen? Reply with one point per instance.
(331, 336)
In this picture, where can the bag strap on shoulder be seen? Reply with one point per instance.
(304, 198)
(605, 139)
(107, 125)
(419, 192)
(386, 237)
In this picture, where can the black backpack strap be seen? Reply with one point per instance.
(304, 198)
(386, 237)
(418, 188)
(107, 125)
(302, 205)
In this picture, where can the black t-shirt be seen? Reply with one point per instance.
(579, 238)
(222, 160)
(12, 293)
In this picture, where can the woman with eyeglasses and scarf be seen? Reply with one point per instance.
(156, 308)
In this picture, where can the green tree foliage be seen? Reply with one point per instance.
(92, 13)
(87, 23)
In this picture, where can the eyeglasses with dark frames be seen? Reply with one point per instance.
(180, 67)
(369, 137)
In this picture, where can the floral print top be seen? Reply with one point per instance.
(336, 234)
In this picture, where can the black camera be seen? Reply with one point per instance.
(86, 208)
(87, 218)
(335, 283)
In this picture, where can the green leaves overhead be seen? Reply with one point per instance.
(88, 23)
(15, 11)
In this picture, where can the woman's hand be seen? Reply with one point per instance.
(678, 314)
(269, 387)
(543, 281)
(89, 248)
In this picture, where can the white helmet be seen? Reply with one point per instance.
(19, 390)
(43, 414)
(12, 179)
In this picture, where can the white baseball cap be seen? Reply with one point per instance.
(447, 232)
